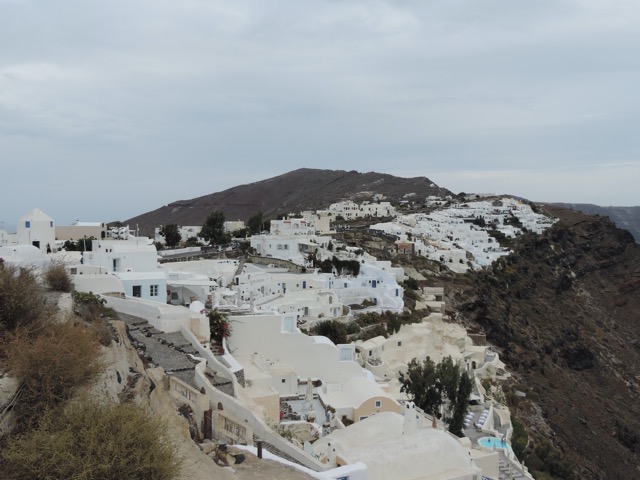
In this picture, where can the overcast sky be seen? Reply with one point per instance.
(109, 109)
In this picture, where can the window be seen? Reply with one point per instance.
(378, 403)
(284, 380)
(153, 290)
(399, 344)
(136, 290)
(27, 224)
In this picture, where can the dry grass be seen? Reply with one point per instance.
(87, 439)
(57, 278)
(52, 367)
(22, 300)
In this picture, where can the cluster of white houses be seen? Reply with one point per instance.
(348, 394)
(459, 235)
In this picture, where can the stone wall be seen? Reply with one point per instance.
(278, 262)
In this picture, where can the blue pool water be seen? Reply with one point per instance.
(493, 442)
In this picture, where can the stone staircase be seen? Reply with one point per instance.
(509, 471)
(238, 271)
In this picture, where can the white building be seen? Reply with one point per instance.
(459, 236)
(276, 337)
(134, 262)
(292, 247)
(357, 399)
(6, 238)
(350, 210)
(320, 221)
(392, 449)
(36, 228)
(377, 282)
(185, 233)
(23, 255)
(292, 226)
(184, 288)
(233, 226)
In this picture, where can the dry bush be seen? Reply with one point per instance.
(57, 278)
(22, 300)
(52, 367)
(87, 439)
(103, 331)
(91, 306)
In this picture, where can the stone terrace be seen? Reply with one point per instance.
(169, 351)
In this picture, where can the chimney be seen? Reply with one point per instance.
(410, 420)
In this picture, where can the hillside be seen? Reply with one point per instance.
(624, 217)
(563, 309)
(296, 191)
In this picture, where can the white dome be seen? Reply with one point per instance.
(379, 443)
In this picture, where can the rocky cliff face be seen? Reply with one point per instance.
(624, 217)
(564, 309)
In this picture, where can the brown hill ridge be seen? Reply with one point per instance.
(296, 191)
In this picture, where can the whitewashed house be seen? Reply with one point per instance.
(36, 228)
(292, 247)
(134, 262)
(186, 232)
(277, 338)
(319, 220)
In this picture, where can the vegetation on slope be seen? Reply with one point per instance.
(89, 439)
(58, 432)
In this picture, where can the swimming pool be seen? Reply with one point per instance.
(493, 442)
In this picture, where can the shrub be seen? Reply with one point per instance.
(219, 326)
(520, 439)
(90, 306)
(52, 367)
(87, 439)
(22, 300)
(332, 329)
(411, 283)
(57, 278)
(352, 327)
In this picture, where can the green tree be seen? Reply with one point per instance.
(213, 229)
(81, 245)
(219, 326)
(332, 329)
(255, 223)
(411, 283)
(432, 385)
(326, 266)
(171, 234)
(421, 383)
(192, 242)
(460, 405)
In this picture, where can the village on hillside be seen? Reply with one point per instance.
(292, 344)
